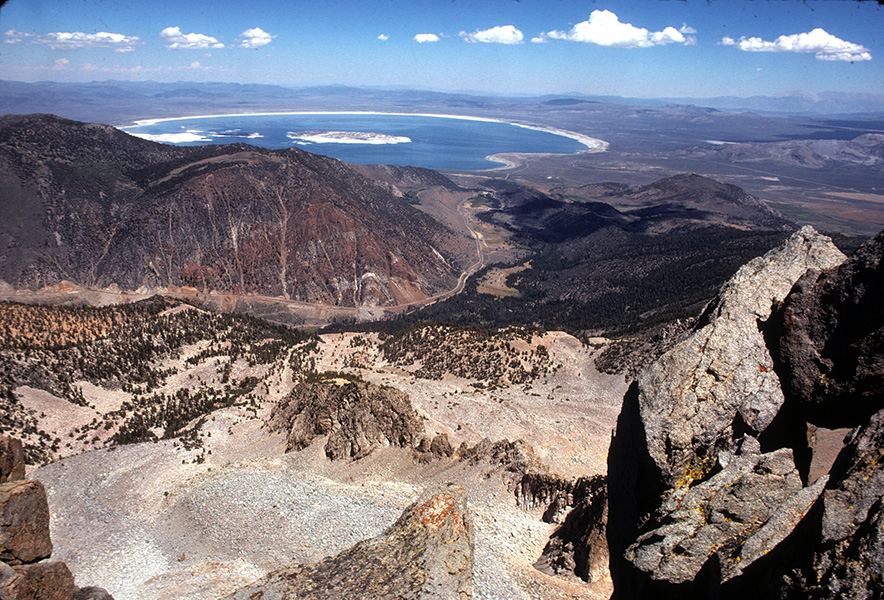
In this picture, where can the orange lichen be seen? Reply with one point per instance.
(438, 511)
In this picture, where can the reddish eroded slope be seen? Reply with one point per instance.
(101, 208)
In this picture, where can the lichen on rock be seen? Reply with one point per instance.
(689, 399)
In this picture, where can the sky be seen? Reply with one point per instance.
(632, 48)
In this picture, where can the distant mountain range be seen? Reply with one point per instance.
(798, 104)
(795, 103)
(118, 102)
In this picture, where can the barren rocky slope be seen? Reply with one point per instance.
(427, 554)
(159, 524)
(216, 503)
(91, 204)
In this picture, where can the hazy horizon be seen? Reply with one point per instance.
(640, 49)
(467, 92)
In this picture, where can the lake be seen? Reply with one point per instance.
(431, 141)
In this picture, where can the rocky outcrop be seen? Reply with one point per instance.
(709, 469)
(737, 515)
(516, 456)
(829, 340)
(830, 351)
(12, 459)
(427, 554)
(441, 446)
(435, 448)
(848, 534)
(24, 522)
(46, 581)
(25, 541)
(357, 417)
(704, 394)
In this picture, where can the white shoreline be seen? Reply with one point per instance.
(505, 163)
(592, 144)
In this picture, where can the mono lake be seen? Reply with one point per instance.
(431, 141)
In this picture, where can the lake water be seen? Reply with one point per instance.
(433, 142)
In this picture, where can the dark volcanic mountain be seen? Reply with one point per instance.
(686, 201)
(96, 206)
(679, 200)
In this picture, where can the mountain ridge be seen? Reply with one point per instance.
(99, 207)
(28, 97)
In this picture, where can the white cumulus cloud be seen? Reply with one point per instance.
(188, 41)
(605, 29)
(255, 38)
(423, 38)
(669, 35)
(75, 40)
(502, 34)
(383, 37)
(822, 43)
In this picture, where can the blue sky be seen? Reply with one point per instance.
(642, 48)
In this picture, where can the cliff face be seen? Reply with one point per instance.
(722, 471)
(93, 205)
(828, 340)
(830, 351)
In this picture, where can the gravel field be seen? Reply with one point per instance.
(145, 526)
